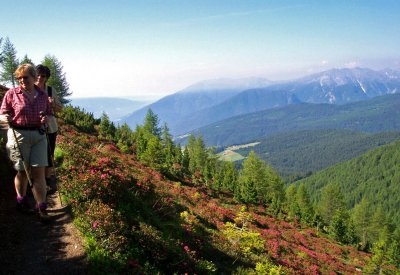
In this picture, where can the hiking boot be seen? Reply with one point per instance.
(43, 216)
(24, 208)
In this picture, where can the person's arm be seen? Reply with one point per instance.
(55, 102)
(6, 109)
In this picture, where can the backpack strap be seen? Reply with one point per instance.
(49, 91)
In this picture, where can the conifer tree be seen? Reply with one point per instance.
(339, 225)
(275, 191)
(304, 203)
(230, 177)
(106, 127)
(9, 63)
(153, 155)
(191, 153)
(252, 178)
(332, 200)
(362, 221)
(57, 79)
(393, 251)
(124, 138)
(178, 154)
(258, 183)
(378, 259)
(151, 124)
(292, 205)
(378, 224)
(218, 175)
(186, 161)
(200, 155)
(169, 148)
(1, 50)
(27, 60)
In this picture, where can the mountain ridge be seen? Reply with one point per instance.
(374, 115)
(334, 86)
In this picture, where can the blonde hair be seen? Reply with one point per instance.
(22, 69)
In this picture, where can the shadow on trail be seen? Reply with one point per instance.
(30, 247)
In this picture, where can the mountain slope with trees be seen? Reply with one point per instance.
(307, 151)
(379, 114)
(374, 176)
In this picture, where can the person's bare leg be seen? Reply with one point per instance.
(21, 183)
(39, 184)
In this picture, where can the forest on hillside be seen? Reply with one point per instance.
(373, 178)
(379, 114)
(304, 152)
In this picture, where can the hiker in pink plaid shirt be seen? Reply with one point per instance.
(23, 108)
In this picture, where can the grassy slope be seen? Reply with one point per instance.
(175, 225)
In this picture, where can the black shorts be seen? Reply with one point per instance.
(51, 148)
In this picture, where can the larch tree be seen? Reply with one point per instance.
(106, 127)
(151, 124)
(252, 179)
(229, 182)
(304, 203)
(332, 200)
(293, 207)
(361, 216)
(168, 147)
(9, 63)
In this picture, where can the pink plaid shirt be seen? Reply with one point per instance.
(25, 113)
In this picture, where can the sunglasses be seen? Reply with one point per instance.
(42, 75)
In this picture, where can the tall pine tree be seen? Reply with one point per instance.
(57, 79)
(9, 63)
(151, 124)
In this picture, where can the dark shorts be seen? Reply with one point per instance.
(51, 148)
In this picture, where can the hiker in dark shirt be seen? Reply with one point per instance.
(23, 108)
(43, 74)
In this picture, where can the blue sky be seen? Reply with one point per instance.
(153, 48)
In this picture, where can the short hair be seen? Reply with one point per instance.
(42, 69)
(26, 68)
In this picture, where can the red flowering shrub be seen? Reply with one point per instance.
(151, 223)
(105, 224)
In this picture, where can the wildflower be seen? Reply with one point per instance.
(186, 248)
(133, 263)
(103, 176)
(95, 224)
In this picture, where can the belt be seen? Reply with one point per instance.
(25, 128)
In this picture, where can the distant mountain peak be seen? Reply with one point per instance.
(228, 84)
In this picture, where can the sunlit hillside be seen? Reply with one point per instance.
(138, 220)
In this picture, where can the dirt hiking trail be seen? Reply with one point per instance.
(30, 247)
